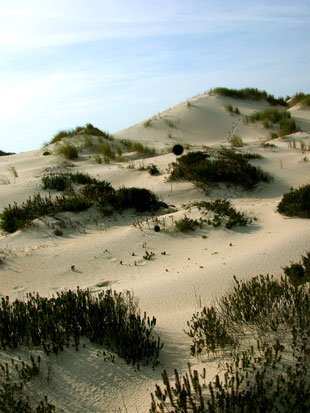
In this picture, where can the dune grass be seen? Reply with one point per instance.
(88, 129)
(248, 93)
(302, 99)
(273, 117)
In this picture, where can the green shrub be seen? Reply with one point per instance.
(14, 378)
(68, 150)
(209, 332)
(263, 305)
(187, 224)
(223, 210)
(14, 217)
(255, 380)
(101, 194)
(224, 165)
(110, 319)
(269, 377)
(59, 182)
(296, 203)
(140, 199)
(46, 153)
(299, 273)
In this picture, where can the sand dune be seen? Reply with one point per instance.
(186, 269)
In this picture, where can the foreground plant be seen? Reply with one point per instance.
(14, 381)
(109, 319)
(269, 376)
(296, 203)
(255, 380)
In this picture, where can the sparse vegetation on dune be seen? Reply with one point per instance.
(264, 323)
(248, 93)
(68, 150)
(14, 396)
(94, 193)
(222, 165)
(274, 117)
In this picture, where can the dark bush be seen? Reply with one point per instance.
(187, 224)
(2, 153)
(224, 165)
(223, 210)
(15, 217)
(101, 194)
(59, 182)
(296, 203)
(110, 319)
(299, 273)
(269, 377)
(140, 199)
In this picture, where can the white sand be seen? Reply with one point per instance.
(171, 285)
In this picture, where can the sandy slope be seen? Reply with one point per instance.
(185, 271)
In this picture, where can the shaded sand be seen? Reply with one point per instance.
(186, 270)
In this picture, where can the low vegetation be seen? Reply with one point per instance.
(93, 193)
(110, 319)
(223, 213)
(62, 181)
(236, 141)
(263, 326)
(223, 165)
(296, 203)
(299, 273)
(187, 224)
(214, 213)
(275, 118)
(248, 93)
(232, 110)
(68, 150)
(14, 394)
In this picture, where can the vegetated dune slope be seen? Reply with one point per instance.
(185, 270)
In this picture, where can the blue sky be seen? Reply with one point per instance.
(116, 62)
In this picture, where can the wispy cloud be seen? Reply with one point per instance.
(63, 62)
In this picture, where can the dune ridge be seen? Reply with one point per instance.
(183, 271)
